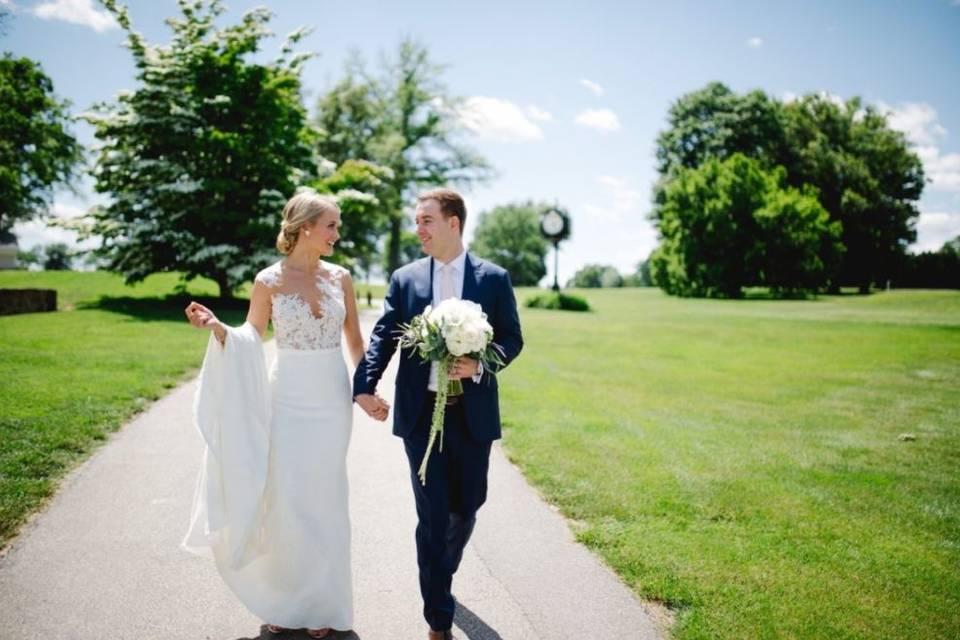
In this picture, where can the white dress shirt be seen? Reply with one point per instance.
(448, 283)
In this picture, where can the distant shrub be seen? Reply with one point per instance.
(554, 300)
(593, 276)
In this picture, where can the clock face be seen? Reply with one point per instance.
(552, 223)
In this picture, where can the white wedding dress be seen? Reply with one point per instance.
(271, 504)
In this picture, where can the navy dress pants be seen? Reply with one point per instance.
(446, 506)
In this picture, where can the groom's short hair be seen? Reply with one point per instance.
(451, 204)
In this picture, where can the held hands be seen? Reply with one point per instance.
(378, 408)
(375, 406)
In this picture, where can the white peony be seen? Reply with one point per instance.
(463, 325)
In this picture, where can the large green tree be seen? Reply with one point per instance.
(401, 117)
(715, 122)
(731, 224)
(509, 235)
(201, 157)
(865, 174)
(867, 178)
(37, 151)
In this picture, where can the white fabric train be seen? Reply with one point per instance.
(271, 504)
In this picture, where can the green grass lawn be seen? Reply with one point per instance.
(740, 461)
(71, 377)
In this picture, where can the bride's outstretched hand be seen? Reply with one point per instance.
(200, 316)
(203, 318)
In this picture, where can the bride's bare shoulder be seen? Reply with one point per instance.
(269, 276)
(336, 271)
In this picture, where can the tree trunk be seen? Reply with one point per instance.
(226, 292)
(393, 254)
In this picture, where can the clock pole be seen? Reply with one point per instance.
(555, 226)
(556, 265)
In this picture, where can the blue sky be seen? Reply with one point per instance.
(566, 98)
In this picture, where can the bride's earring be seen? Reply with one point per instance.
(307, 231)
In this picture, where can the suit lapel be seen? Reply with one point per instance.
(471, 279)
(424, 288)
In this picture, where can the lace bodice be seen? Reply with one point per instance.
(300, 323)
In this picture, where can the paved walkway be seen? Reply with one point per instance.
(103, 561)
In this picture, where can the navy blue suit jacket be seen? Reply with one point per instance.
(408, 294)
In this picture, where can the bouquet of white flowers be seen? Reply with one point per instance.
(441, 334)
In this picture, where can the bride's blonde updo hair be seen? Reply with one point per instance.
(303, 208)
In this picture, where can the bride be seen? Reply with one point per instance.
(271, 501)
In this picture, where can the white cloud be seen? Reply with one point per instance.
(498, 119)
(943, 170)
(916, 119)
(623, 200)
(66, 211)
(610, 181)
(593, 87)
(935, 228)
(920, 123)
(603, 120)
(76, 11)
(755, 42)
(832, 97)
(38, 232)
(537, 113)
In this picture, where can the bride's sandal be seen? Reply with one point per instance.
(319, 633)
(275, 628)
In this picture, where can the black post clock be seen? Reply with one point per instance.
(555, 226)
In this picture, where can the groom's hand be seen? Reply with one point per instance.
(464, 367)
(375, 406)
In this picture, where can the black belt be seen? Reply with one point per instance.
(451, 400)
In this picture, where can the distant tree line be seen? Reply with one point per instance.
(197, 159)
(56, 256)
(930, 269)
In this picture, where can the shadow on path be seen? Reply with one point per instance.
(472, 626)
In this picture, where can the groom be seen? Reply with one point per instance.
(456, 483)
